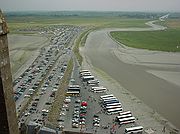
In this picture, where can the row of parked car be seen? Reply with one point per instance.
(110, 104)
(79, 114)
(50, 65)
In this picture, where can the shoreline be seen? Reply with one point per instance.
(149, 118)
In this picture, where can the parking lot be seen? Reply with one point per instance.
(34, 90)
(94, 119)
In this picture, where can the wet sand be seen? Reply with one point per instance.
(129, 68)
(24, 49)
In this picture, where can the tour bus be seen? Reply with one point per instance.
(110, 102)
(85, 74)
(93, 85)
(86, 71)
(105, 100)
(106, 96)
(72, 93)
(113, 107)
(114, 111)
(125, 112)
(93, 82)
(133, 130)
(123, 116)
(83, 71)
(87, 78)
(98, 89)
(109, 98)
(126, 120)
(113, 104)
(74, 88)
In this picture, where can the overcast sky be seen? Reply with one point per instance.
(91, 5)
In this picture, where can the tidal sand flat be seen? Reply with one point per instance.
(157, 93)
(23, 50)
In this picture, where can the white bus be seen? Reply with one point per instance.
(114, 111)
(98, 89)
(106, 96)
(83, 71)
(72, 93)
(109, 98)
(125, 112)
(113, 107)
(93, 82)
(127, 120)
(134, 130)
(86, 74)
(74, 86)
(93, 85)
(123, 116)
(110, 101)
(113, 104)
(87, 78)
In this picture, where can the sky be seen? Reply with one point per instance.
(91, 5)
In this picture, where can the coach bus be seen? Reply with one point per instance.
(72, 93)
(113, 104)
(127, 120)
(125, 112)
(85, 74)
(109, 98)
(113, 107)
(106, 96)
(123, 116)
(134, 130)
(98, 89)
(93, 82)
(83, 71)
(87, 78)
(114, 111)
(110, 101)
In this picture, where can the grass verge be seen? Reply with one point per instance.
(80, 42)
(59, 97)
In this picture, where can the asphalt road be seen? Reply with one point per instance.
(157, 93)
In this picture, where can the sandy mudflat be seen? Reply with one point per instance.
(23, 51)
(151, 76)
(147, 117)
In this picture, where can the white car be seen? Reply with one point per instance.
(67, 100)
(27, 96)
(97, 125)
(75, 125)
(26, 114)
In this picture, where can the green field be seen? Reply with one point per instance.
(16, 23)
(168, 40)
